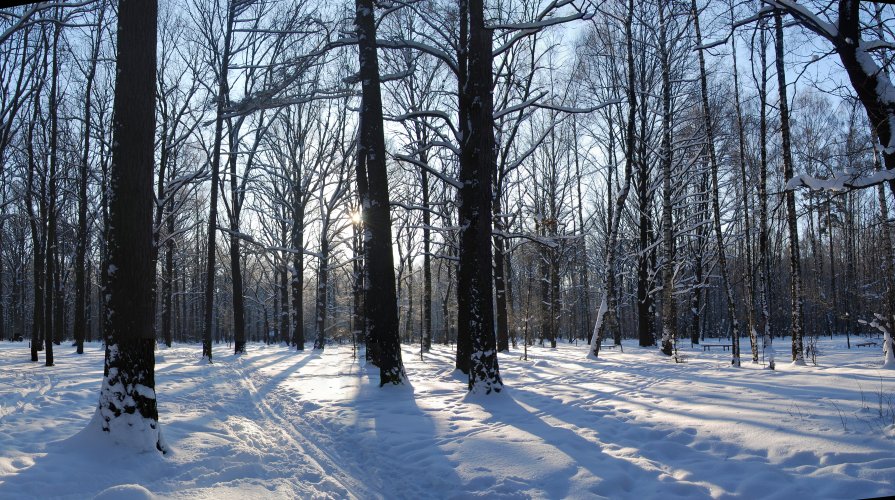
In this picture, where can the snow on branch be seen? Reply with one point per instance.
(840, 183)
(432, 113)
(543, 23)
(806, 18)
(25, 18)
(444, 178)
(249, 239)
(566, 109)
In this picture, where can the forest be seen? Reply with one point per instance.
(451, 191)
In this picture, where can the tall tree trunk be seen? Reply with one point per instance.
(716, 202)
(239, 321)
(168, 279)
(298, 276)
(607, 320)
(81, 240)
(357, 321)
(127, 405)
(381, 304)
(747, 215)
(500, 280)
(37, 326)
(475, 306)
(795, 291)
(322, 281)
(427, 263)
(669, 306)
(211, 252)
(764, 265)
(582, 255)
(50, 304)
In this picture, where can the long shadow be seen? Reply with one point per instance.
(275, 380)
(395, 443)
(732, 466)
(618, 477)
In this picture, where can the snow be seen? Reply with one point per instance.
(274, 423)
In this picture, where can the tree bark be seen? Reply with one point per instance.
(474, 277)
(797, 326)
(127, 404)
(381, 304)
(211, 251)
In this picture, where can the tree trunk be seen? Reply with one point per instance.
(127, 404)
(211, 252)
(239, 321)
(764, 265)
(475, 306)
(609, 322)
(50, 304)
(500, 281)
(669, 306)
(81, 240)
(381, 304)
(747, 216)
(716, 202)
(795, 291)
(322, 281)
(427, 265)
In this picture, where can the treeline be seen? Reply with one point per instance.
(625, 164)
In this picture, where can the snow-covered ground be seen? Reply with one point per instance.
(279, 424)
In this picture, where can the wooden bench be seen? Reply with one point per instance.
(608, 346)
(867, 344)
(708, 347)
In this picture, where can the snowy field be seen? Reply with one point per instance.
(279, 424)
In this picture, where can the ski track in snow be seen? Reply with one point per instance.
(275, 423)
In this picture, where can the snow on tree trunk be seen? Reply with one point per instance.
(127, 404)
(595, 339)
(474, 278)
(381, 303)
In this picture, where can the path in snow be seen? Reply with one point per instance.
(281, 424)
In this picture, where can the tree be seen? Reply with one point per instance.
(82, 237)
(474, 276)
(127, 405)
(381, 304)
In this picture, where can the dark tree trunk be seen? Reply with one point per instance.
(357, 319)
(500, 281)
(168, 280)
(322, 281)
(239, 321)
(81, 291)
(381, 304)
(609, 322)
(211, 251)
(127, 403)
(764, 265)
(427, 265)
(669, 305)
(298, 276)
(50, 304)
(37, 326)
(795, 291)
(747, 215)
(716, 203)
(475, 307)
(464, 343)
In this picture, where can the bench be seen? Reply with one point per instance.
(708, 347)
(608, 346)
(867, 344)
